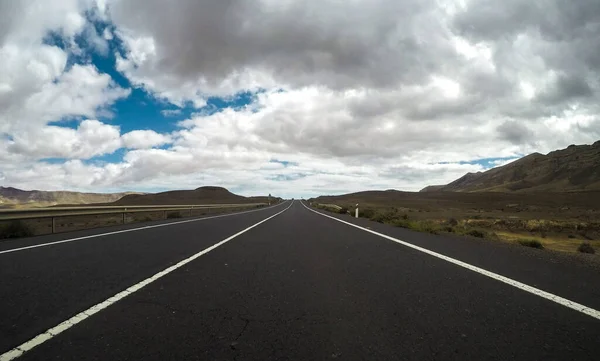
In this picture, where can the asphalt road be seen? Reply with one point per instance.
(298, 286)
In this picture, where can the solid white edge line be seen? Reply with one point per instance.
(132, 230)
(547, 295)
(63, 326)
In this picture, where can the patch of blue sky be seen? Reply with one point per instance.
(285, 163)
(237, 101)
(53, 160)
(71, 122)
(114, 157)
(55, 38)
(287, 177)
(141, 109)
(485, 162)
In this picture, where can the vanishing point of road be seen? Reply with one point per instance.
(288, 283)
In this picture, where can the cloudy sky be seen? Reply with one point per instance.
(295, 98)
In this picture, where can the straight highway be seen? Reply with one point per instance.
(289, 283)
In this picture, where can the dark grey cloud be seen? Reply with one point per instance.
(378, 45)
(9, 9)
(494, 20)
(514, 132)
(553, 45)
(338, 44)
(566, 88)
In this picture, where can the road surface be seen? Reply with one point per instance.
(287, 283)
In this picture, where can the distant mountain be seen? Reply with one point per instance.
(13, 197)
(576, 168)
(202, 195)
(432, 188)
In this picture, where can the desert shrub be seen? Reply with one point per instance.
(586, 236)
(475, 233)
(365, 212)
(586, 247)
(173, 215)
(533, 243)
(383, 216)
(402, 223)
(537, 225)
(343, 210)
(448, 229)
(330, 208)
(421, 226)
(16, 229)
(500, 222)
(571, 236)
(452, 222)
(428, 227)
(492, 236)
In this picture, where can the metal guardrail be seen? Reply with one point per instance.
(56, 212)
(23, 213)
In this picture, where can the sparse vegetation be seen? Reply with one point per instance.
(555, 226)
(366, 212)
(331, 208)
(475, 233)
(558, 221)
(16, 229)
(533, 243)
(174, 215)
(384, 216)
(448, 229)
(427, 227)
(452, 222)
(586, 247)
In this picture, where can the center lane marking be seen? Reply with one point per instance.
(63, 326)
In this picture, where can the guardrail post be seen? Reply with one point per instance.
(123, 217)
(191, 211)
(165, 214)
(53, 226)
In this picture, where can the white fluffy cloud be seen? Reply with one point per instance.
(38, 87)
(89, 139)
(141, 139)
(380, 76)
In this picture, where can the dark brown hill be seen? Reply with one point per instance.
(202, 195)
(576, 168)
(14, 197)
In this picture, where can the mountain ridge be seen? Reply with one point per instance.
(11, 197)
(15, 197)
(575, 168)
(201, 195)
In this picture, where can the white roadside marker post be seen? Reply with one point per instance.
(356, 212)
